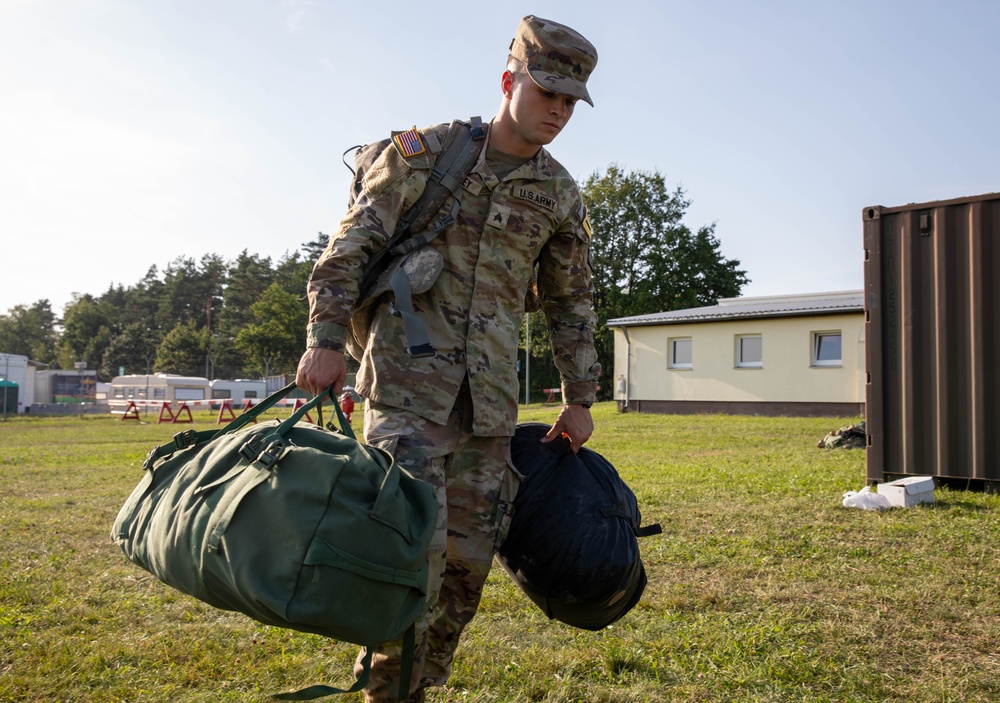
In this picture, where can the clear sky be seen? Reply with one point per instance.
(133, 132)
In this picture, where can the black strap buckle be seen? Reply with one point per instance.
(185, 439)
(443, 224)
(252, 447)
(271, 454)
(151, 458)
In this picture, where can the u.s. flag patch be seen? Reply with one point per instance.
(409, 143)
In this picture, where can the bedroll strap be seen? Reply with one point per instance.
(405, 672)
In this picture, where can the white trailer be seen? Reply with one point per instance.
(147, 390)
(239, 391)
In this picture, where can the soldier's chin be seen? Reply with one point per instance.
(551, 132)
(545, 138)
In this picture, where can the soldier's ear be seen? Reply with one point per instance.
(507, 84)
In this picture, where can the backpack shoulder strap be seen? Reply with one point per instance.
(459, 154)
(461, 150)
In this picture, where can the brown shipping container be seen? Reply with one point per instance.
(932, 341)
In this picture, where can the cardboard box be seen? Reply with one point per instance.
(908, 491)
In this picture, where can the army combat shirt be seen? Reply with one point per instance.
(531, 222)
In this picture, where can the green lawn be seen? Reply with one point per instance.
(761, 587)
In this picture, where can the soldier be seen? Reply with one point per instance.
(448, 417)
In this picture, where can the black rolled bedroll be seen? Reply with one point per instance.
(573, 541)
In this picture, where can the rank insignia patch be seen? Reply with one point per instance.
(498, 217)
(409, 143)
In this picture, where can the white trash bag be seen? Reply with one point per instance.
(866, 500)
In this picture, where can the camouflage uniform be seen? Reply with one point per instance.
(449, 418)
(475, 499)
(474, 310)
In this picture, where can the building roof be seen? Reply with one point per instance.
(743, 308)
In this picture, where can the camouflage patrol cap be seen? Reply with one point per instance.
(558, 58)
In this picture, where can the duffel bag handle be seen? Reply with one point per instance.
(315, 403)
(345, 426)
(259, 409)
(189, 438)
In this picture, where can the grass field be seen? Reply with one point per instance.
(761, 587)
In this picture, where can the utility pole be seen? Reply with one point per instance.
(149, 358)
(6, 381)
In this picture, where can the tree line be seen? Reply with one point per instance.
(247, 317)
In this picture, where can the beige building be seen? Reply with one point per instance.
(793, 355)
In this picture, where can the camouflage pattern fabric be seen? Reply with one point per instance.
(532, 219)
(558, 58)
(476, 484)
(849, 437)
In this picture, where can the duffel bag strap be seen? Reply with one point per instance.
(311, 692)
(315, 403)
(257, 410)
(405, 672)
(182, 440)
(345, 426)
(189, 438)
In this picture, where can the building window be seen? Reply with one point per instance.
(749, 351)
(826, 349)
(680, 352)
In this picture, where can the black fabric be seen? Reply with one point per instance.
(572, 546)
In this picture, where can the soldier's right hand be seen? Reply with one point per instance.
(321, 368)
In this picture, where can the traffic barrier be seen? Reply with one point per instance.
(247, 404)
(166, 414)
(183, 409)
(226, 413)
(132, 406)
(131, 412)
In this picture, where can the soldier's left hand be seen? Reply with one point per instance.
(574, 423)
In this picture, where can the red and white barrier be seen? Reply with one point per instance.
(182, 414)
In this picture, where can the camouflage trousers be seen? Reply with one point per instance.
(475, 483)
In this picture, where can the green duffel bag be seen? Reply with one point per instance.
(295, 525)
